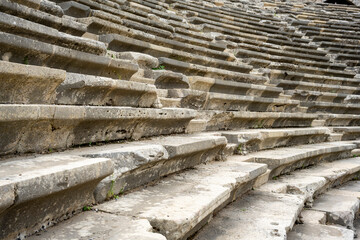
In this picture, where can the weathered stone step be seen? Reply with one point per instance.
(284, 160)
(230, 102)
(195, 99)
(309, 86)
(321, 34)
(253, 217)
(207, 84)
(313, 181)
(236, 30)
(28, 51)
(18, 26)
(120, 43)
(203, 71)
(343, 50)
(309, 96)
(282, 53)
(58, 127)
(343, 56)
(38, 192)
(143, 162)
(107, 24)
(311, 70)
(229, 11)
(344, 46)
(340, 119)
(348, 133)
(100, 225)
(321, 79)
(268, 42)
(336, 108)
(179, 205)
(29, 84)
(63, 24)
(339, 208)
(44, 6)
(318, 231)
(257, 59)
(259, 139)
(219, 120)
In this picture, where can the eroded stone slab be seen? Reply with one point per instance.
(258, 215)
(320, 232)
(100, 225)
(181, 203)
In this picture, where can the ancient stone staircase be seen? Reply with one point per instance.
(167, 119)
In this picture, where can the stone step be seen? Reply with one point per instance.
(231, 102)
(203, 71)
(309, 86)
(251, 140)
(198, 193)
(219, 120)
(285, 160)
(318, 231)
(340, 119)
(100, 225)
(207, 84)
(261, 60)
(313, 181)
(212, 185)
(44, 6)
(80, 89)
(120, 43)
(321, 34)
(27, 51)
(143, 162)
(348, 133)
(103, 23)
(309, 70)
(59, 127)
(336, 108)
(38, 192)
(339, 209)
(321, 79)
(282, 53)
(195, 99)
(25, 28)
(63, 24)
(28, 84)
(269, 42)
(309, 96)
(255, 211)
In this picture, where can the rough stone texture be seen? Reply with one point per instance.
(99, 225)
(178, 204)
(339, 209)
(253, 217)
(55, 127)
(284, 160)
(38, 192)
(320, 232)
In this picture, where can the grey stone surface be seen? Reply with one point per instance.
(24, 50)
(259, 139)
(315, 180)
(340, 209)
(28, 84)
(40, 191)
(320, 232)
(57, 126)
(81, 89)
(284, 160)
(183, 202)
(99, 225)
(254, 217)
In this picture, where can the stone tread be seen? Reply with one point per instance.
(100, 225)
(179, 202)
(281, 156)
(255, 211)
